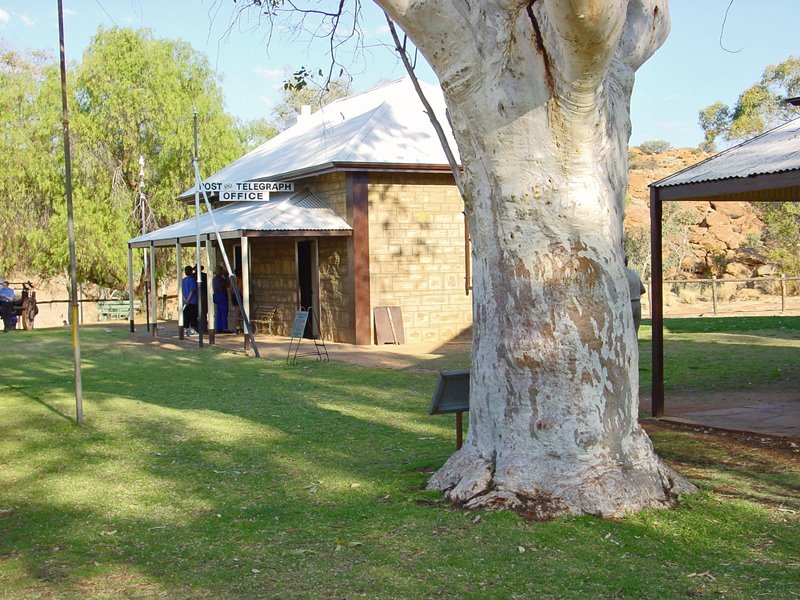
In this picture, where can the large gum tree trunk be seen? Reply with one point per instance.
(538, 95)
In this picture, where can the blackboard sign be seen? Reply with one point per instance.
(299, 325)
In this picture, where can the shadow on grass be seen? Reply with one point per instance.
(209, 475)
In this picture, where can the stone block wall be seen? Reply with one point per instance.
(273, 278)
(335, 283)
(417, 253)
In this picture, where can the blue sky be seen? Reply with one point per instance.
(689, 72)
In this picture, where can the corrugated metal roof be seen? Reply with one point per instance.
(296, 211)
(385, 125)
(775, 151)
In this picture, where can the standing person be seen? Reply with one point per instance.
(189, 291)
(637, 289)
(7, 306)
(202, 304)
(219, 285)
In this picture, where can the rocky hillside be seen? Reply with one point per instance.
(722, 237)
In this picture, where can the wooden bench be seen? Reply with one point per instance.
(263, 317)
(115, 310)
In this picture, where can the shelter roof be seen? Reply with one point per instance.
(772, 159)
(385, 126)
(282, 214)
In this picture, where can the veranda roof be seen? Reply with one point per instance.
(282, 214)
(766, 167)
(385, 127)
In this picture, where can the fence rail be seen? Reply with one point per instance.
(717, 299)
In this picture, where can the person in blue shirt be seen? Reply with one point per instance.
(189, 291)
(7, 306)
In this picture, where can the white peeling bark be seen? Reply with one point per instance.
(538, 95)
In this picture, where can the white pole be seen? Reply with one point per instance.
(244, 304)
(153, 291)
(73, 289)
(131, 316)
(197, 237)
(212, 308)
(246, 275)
(179, 278)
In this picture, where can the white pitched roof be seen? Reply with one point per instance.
(296, 211)
(385, 125)
(775, 151)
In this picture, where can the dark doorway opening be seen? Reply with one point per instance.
(306, 282)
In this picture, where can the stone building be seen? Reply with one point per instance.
(374, 220)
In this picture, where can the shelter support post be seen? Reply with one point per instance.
(179, 279)
(153, 296)
(657, 303)
(131, 314)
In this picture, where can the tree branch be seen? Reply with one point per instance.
(451, 159)
(586, 35)
(647, 26)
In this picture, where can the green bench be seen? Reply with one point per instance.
(115, 310)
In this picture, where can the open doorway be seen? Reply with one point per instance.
(308, 283)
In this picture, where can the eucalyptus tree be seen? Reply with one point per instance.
(538, 96)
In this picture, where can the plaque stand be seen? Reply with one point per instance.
(301, 318)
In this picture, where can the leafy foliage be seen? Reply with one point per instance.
(714, 121)
(131, 95)
(758, 108)
(675, 236)
(761, 107)
(782, 221)
(655, 146)
(255, 132)
(304, 91)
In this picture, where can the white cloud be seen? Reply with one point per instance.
(27, 20)
(68, 12)
(4, 16)
(268, 74)
(266, 101)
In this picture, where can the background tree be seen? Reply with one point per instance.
(758, 108)
(23, 160)
(255, 132)
(305, 90)
(131, 95)
(782, 234)
(714, 121)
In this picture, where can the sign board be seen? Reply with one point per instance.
(451, 394)
(299, 324)
(246, 191)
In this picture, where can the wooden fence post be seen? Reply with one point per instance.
(783, 292)
(714, 293)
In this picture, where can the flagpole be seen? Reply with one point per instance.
(73, 283)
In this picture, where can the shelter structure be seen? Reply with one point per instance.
(375, 220)
(765, 168)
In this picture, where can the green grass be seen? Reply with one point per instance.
(211, 475)
(729, 353)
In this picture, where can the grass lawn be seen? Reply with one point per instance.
(211, 475)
